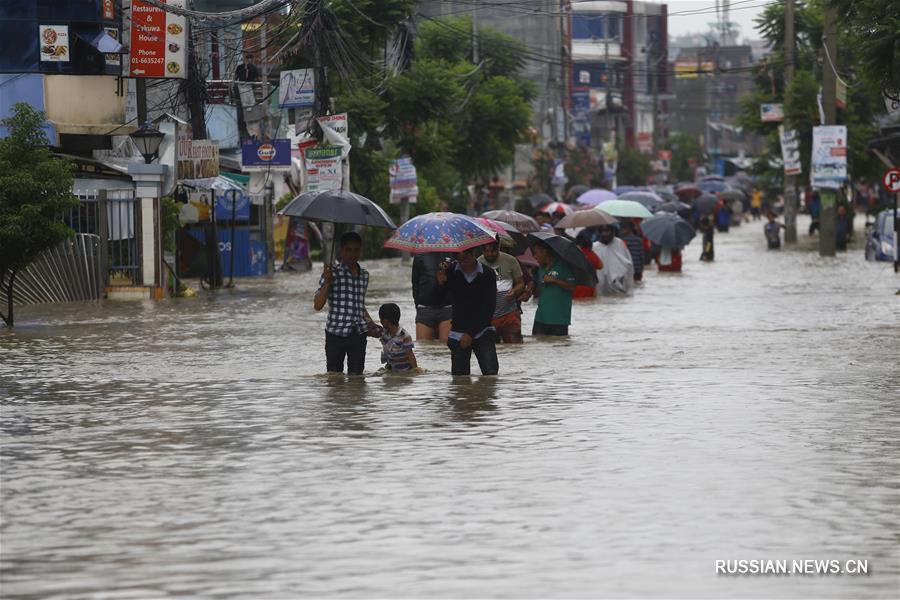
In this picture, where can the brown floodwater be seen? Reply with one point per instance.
(745, 409)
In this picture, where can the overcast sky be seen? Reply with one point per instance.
(742, 12)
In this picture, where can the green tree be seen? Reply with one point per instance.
(873, 29)
(800, 99)
(684, 148)
(35, 189)
(633, 167)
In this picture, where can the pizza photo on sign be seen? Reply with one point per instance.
(174, 29)
(173, 67)
(49, 36)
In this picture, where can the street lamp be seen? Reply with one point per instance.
(147, 139)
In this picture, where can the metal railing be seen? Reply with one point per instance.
(119, 232)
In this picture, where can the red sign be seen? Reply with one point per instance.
(148, 40)
(891, 180)
(109, 11)
(665, 155)
(158, 41)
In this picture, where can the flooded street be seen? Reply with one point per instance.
(746, 409)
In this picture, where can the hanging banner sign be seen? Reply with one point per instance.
(297, 88)
(404, 181)
(54, 43)
(264, 156)
(790, 151)
(158, 41)
(109, 11)
(194, 159)
(828, 168)
(323, 168)
(771, 113)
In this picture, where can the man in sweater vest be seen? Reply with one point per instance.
(471, 289)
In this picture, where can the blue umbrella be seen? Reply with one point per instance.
(705, 203)
(712, 186)
(667, 230)
(440, 232)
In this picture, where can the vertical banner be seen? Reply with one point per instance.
(323, 168)
(790, 151)
(404, 180)
(828, 168)
(158, 41)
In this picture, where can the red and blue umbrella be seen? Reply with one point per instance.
(440, 232)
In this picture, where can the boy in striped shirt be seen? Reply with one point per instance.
(398, 345)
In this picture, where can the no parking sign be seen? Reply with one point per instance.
(891, 180)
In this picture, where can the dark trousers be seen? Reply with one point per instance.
(353, 347)
(485, 349)
(539, 328)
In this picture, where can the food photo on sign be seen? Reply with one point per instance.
(54, 40)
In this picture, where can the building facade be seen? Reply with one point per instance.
(618, 78)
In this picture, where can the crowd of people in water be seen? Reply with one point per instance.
(473, 300)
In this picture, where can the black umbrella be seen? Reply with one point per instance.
(574, 192)
(338, 206)
(540, 199)
(568, 251)
(705, 203)
(676, 206)
(667, 230)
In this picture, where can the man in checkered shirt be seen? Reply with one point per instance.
(343, 287)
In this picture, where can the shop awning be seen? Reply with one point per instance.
(103, 42)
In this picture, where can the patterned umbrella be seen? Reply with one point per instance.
(596, 196)
(625, 209)
(440, 232)
(498, 228)
(523, 223)
(557, 208)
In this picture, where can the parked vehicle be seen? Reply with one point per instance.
(881, 240)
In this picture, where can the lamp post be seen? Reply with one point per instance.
(148, 139)
(148, 179)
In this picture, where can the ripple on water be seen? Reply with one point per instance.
(741, 410)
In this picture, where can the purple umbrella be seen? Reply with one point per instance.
(440, 232)
(595, 196)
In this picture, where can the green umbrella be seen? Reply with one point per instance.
(624, 209)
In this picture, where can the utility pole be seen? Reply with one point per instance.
(828, 216)
(475, 32)
(654, 90)
(790, 181)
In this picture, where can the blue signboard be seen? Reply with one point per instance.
(262, 156)
(250, 254)
(581, 102)
(224, 205)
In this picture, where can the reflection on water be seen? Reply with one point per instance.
(745, 409)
